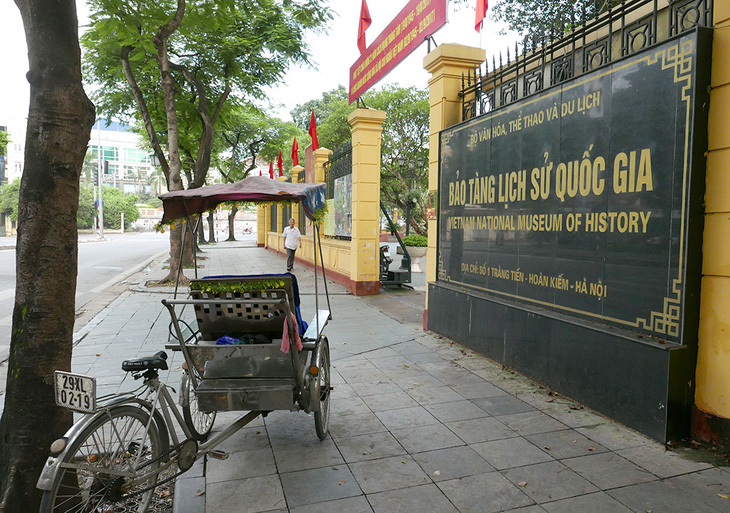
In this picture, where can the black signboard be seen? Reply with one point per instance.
(577, 200)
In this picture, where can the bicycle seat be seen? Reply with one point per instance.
(155, 362)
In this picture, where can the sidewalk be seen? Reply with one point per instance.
(418, 424)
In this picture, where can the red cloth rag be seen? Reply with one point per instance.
(285, 336)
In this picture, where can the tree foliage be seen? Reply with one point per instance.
(4, 140)
(185, 63)
(249, 133)
(115, 203)
(221, 52)
(537, 20)
(9, 194)
(405, 137)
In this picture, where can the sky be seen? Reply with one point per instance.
(333, 52)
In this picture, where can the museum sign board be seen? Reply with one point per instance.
(578, 201)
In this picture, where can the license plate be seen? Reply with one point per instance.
(75, 392)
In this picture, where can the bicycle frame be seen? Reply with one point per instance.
(161, 401)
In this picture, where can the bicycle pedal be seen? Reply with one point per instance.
(217, 454)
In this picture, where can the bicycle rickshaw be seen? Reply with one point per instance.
(245, 355)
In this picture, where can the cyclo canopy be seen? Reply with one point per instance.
(179, 204)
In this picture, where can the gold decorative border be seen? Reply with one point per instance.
(680, 57)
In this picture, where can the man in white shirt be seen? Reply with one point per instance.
(292, 241)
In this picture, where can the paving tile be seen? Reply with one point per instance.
(434, 395)
(388, 474)
(381, 387)
(342, 426)
(240, 465)
(246, 439)
(484, 493)
(258, 494)
(411, 348)
(478, 390)
(383, 352)
(393, 362)
(426, 438)
(408, 500)
(392, 401)
(363, 375)
(425, 358)
(452, 463)
(349, 505)
(406, 418)
(614, 436)
(572, 415)
(307, 455)
(408, 380)
(531, 422)
(599, 502)
(457, 377)
(291, 428)
(661, 462)
(480, 430)
(187, 496)
(319, 485)
(511, 452)
(608, 470)
(551, 481)
(455, 411)
(565, 444)
(369, 447)
(502, 405)
(528, 509)
(344, 390)
(707, 486)
(347, 405)
(660, 496)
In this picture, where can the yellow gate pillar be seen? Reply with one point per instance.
(446, 64)
(262, 224)
(365, 253)
(711, 416)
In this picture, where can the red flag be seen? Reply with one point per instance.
(365, 21)
(295, 152)
(313, 132)
(271, 169)
(481, 14)
(280, 163)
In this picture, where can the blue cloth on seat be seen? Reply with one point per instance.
(295, 289)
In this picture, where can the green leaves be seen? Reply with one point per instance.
(236, 288)
(231, 48)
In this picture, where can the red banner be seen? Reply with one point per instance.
(418, 20)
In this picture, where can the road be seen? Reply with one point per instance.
(102, 265)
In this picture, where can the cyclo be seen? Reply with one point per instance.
(112, 458)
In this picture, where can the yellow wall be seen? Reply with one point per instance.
(366, 138)
(338, 254)
(713, 361)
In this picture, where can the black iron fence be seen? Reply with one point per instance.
(338, 165)
(273, 226)
(576, 46)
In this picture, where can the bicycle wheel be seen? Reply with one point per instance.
(111, 466)
(322, 417)
(199, 423)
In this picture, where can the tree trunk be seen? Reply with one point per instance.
(201, 232)
(59, 124)
(211, 227)
(231, 219)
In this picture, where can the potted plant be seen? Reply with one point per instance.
(416, 245)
